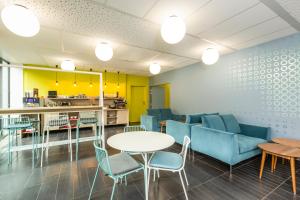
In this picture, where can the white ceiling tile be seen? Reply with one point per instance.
(251, 17)
(267, 38)
(133, 54)
(259, 30)
(215, 12)
(292, 7)
(183, 8)
(135, 7)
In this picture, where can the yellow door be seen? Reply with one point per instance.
(138, 103)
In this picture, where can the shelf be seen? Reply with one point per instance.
(113, 117)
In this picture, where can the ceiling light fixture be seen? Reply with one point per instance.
(20, 20)
(67, 65)
(210, 56)
(104, 51)
(154, 68)
(91, 78)
(173, 29)
(56, 82)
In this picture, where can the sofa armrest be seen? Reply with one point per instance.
(256, 131)
(218, 144)
(178, 130)
(151, 123)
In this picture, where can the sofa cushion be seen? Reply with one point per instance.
(155, 112)
(166, 114)
(247, 143)
(214, 122)
(231, 124)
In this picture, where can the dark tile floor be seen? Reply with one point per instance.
(209, 178)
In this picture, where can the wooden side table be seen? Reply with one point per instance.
(282, 151)
(162, 125)
(287, 142)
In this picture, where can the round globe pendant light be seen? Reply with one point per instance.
(173, 29)
(20, 20)
(210, 56)
(154, 68)
(104, 51)
(67, 65)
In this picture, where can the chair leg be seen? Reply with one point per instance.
(186, 180)
(125, 180)
(47, 141)
(154, 172)
(91, 191)
(113, 191)
(183, 186)
(158, 175)
(42, 153)
(9, 148)
(70, 141)
(33, 147)
(77, 141)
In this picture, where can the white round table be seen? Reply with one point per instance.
(143, 142)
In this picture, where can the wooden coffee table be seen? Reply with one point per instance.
(288, 142)
(282, 151)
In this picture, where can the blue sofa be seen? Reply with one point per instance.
(178, 129)
(152, 119)
(223, 138)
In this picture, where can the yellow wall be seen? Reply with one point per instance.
(143, 81)
(167, 89)
(45, 81)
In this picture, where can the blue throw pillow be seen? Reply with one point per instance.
(231, 123)
(214, 122)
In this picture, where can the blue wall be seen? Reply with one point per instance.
(260, 85)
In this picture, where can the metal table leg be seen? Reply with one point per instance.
(145, 157)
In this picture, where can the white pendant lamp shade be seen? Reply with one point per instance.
(154, 68)
(67, 65)
(20, 20)
(210, 56)
(173, 29)
(104, 51)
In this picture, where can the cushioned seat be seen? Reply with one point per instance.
(169, 160)
(121, 163)
(247, 143)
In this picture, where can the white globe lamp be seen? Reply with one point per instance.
(210, 56)
(20, 20)
(154, 68)
(67, 65)
(104, 51)
(173, 29)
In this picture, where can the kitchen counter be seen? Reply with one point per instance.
(37, 110)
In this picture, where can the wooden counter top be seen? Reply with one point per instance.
(35, 110)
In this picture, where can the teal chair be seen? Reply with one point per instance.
(86, 118)
(134, 128)
(116, 166)
(169, 161)
(13, 124)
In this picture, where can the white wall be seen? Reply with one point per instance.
(16, 87)
(260, 85)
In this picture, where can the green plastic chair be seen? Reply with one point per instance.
(116, 166)
(13, 124)
(86, 118)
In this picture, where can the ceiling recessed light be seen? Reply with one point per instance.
(210, 56)
(104, 51)
(173, 29)
(67, 65)
(154, 68)
(20, 20)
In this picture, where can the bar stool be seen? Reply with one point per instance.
(56, 120)
(13, 124)
(86, 118)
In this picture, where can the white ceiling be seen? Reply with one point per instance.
(71, 29)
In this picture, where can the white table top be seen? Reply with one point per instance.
(141, 141)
